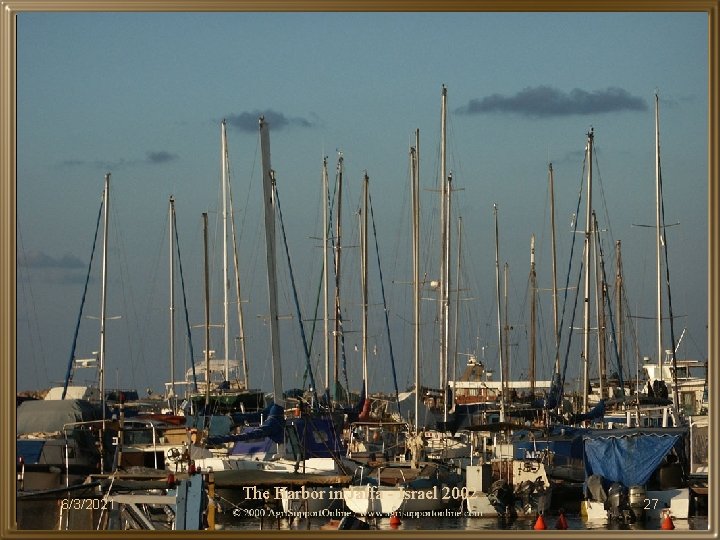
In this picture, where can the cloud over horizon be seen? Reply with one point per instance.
(151, 158)
(161, 157)
(546, 101)
(39, 259)
(248, 121)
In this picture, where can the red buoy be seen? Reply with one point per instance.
(540, 523)
(394, 521)
(667, 522)
(561, 522)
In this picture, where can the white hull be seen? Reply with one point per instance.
(478, 505)
(308, 466)
(657, 504)
(364, 500)
(318, 499)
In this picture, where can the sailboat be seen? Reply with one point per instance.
(227, 378)
(49, 461)
(648, 480)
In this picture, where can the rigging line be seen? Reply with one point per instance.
(69, 372)
(385, 308)
(669, 295)
(236, 267)
(572, 324)
(602, 194)
(185, 307)
(336, 304)
(612, 319)
(567, 277)
(34, 318)
(306, 350)
(129, 304)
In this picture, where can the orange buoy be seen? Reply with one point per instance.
(561, 522)
(540, 523)
(667, 522)
(394, 521)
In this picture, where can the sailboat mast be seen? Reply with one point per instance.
(226, 283)
(446, 297)
(103, 300)
(506, 329)
(173, 400)
(364, 274)
(207, 314)
(658, 238)
(444, 216)
(269, 205)
(554, 269)
(338, 258)
(599, 306)
(497, 297)
(533, 315)
(457, 300)
(324, 202)
(586, 266)
(618, 302)
(415, 191)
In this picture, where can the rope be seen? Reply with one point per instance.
(306, 349)
(68, 373)
(385, 309)
(187, 320)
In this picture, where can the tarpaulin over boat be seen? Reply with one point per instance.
(47, 416)
(317, 435)
(562, 441)
(273, 427)
(629, 456)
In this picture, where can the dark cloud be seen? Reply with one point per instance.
(248, 121)
(73, 162)
(161, 157)
(38, 259)
(544, 101)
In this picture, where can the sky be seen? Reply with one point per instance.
(142, 97)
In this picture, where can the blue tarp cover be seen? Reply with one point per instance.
(30, 450)
(629, 457)
(273, 427)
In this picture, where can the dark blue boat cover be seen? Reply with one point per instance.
(628, 456)
(30, 450)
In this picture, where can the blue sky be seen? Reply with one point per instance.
(142, 95)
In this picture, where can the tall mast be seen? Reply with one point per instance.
(415, 191)
(444, 216)
(497, 297)
(207, 314)
(586, 265)
(173, 401)
(533, 297)
(658, 237)
(618, 302)
(599, 305)
(446, 297)
(236, 267)
(364, 274)
(338, 252)
(269, 205)
(554, 269)
(324, 202)
(506, 330)
(103, 301)
(457, 299)
(226, 283)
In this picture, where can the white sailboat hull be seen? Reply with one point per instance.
(479, 505)
(364, 500)
(676, 502)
